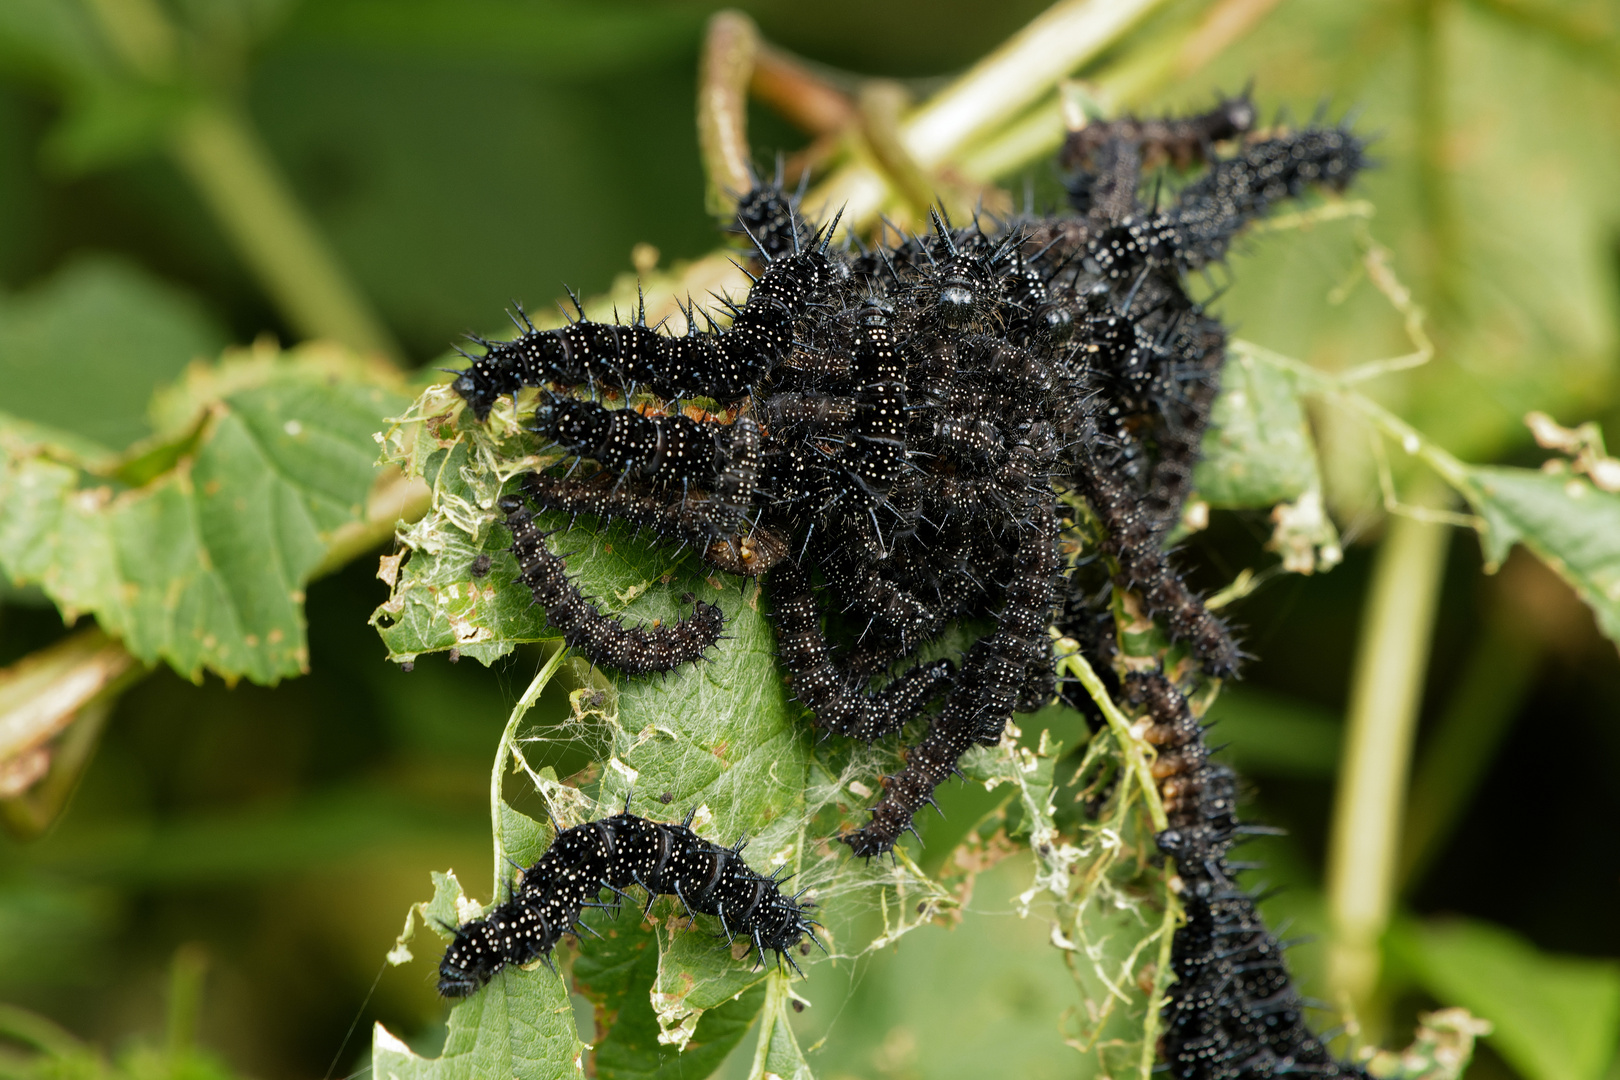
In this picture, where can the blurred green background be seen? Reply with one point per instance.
(460, 154)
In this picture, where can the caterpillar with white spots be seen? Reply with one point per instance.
(720, 364)
(614, 854)
(602, 638)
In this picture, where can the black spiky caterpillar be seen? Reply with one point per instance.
(1233, 1010)
(835, 696)
(615, 853)
(664, 452)
(1040, 355)
(992, 684)
(692, 522)
(919, 406)
(718, 364)
(603, 638)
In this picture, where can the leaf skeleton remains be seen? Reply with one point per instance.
(895, 438)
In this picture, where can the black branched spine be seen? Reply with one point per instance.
(616, 853)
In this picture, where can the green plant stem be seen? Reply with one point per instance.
(1337, 389)
(397, 499)
(1039, 132)
(217, 149)
(774, 1013)
(220, 153)
(727, 66)
(862, 187)
(31, 1029)
(880, 105)
(1161, 983)
(994, 91)
(1458, 753)
(1131, 745)
(186, 973)
(503, 755)
(141, 34)
(1013, 77)
(1385, 695)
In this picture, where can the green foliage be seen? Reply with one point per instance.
(195, 547)
(53, 1053)
(722, 738)
(719, 738)
(455, 156)
(1571, 525)
(1556, 1017)
(118, 331)
(1259, 452)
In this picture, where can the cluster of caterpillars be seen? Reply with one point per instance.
(893, 437)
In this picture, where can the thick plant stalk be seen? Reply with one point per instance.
(1013, 77)
(1385, 696)
(503, 755)
(217, 149)
(728, 63)
(220, 153)
(1139, 75)
(1464, 743)
(993, 92)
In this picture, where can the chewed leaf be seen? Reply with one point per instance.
(720, 737)
(717, 737)
(1568, 523)
(203, 562)
(459, 588)
(1258, 451)
(617, 974)
(441, 915)
(520, 1025)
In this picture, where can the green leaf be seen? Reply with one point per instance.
(617, 975)
(118, 332)
(1258, 451)
(516, 1026)
(1526, 302)
(1556, 1017)
(1568, 523)
(719, 739)
(204, 566)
